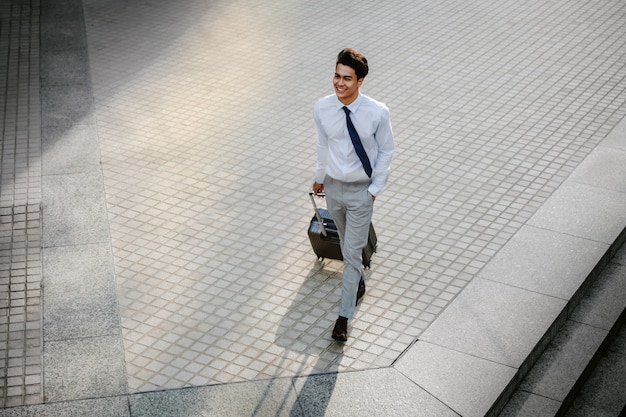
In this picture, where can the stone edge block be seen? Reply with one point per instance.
(80, 295)
(563, 361)
(84, 368)
(275, 397)
(74, 210)
(544, 261)
(466, 383)
(379, 392)
(584, 211)
(67, 150)
(495, 322)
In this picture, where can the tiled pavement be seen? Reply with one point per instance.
(20, 206)
(172, 159)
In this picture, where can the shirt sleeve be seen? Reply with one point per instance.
(386, 147)
(322, 148)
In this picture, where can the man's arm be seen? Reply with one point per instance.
(386, 146)
(318, 188)
(322, 155)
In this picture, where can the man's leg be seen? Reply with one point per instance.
(358, 216)
(351, 207)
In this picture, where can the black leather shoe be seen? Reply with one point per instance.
(360, 292)
(340, 332)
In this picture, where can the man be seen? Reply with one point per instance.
(354, 149)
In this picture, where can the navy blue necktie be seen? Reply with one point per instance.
(358, 146)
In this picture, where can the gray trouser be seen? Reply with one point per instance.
(351, 206)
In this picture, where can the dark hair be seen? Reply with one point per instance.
(354, 60)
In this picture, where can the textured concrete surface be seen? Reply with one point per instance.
(173, 153)
(581, 370)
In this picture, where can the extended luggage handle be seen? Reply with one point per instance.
(317, 214)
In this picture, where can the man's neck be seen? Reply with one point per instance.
(349, 101)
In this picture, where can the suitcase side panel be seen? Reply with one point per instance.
(324, 246)
(329, 246)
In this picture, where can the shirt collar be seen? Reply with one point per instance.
(352, 106)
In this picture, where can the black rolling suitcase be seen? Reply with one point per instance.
(325, 238)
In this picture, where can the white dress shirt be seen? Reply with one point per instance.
(336, 156)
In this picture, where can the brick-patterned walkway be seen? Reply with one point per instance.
(175, 203)
(207, 153)
(20, 205)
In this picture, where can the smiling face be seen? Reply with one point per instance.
(346, 84)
